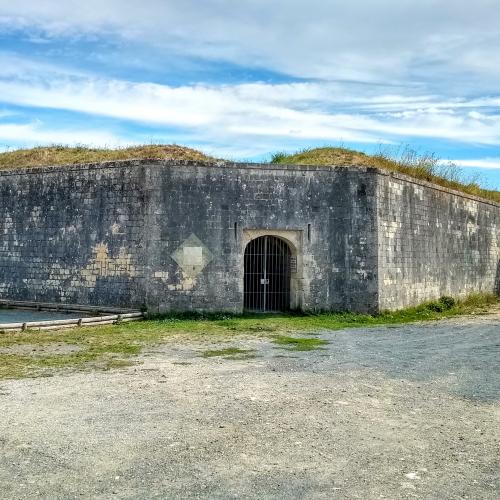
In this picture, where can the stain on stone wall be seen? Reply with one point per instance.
(104, 265)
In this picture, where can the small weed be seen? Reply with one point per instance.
(478, 301)
(119, 348)
(118, 363)
(241, 357)
(229, 351)
(279, 157)
(300, 343)
(261, 328)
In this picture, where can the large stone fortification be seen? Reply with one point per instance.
(187, 236)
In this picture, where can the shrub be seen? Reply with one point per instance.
(447, 302)
(444, 303)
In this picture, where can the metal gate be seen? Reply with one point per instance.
(267, 274)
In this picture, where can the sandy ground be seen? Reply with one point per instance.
(405, 412)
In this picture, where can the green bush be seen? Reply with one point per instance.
(444, 303)
(435, 306)
(447, 302)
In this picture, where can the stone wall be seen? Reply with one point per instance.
(74, 235)
(433, 242)
(321, 207)
(171, 235)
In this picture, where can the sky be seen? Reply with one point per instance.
(244, 79)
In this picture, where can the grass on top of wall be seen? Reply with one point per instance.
(32, 354)
(427, 167)
(421, 166)
(65, 155)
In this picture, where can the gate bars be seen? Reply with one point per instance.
(267, 274)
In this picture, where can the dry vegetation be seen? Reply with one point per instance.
(426, 167)
(63, 155)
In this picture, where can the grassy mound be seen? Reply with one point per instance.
(327, 156)
(425, 167)
(63, 155)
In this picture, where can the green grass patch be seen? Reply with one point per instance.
(112, 346)
(300, 343)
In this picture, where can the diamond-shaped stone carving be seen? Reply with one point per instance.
(192, 256)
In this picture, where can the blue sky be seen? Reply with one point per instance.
(244, 79)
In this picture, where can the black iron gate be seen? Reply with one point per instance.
(267, 274)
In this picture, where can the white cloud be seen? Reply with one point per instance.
(29, 134)
(488, 163)
(450, 44)
(305, 111)
(321, 111)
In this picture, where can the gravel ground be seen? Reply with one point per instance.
(405, 412)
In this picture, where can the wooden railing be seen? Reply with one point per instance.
(102, 316)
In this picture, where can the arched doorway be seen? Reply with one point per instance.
(267, 274)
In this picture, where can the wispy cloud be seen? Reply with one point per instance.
(487, 163)
(448, 44)
(315, 110)
(14, 134)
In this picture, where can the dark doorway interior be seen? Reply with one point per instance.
(267, 275)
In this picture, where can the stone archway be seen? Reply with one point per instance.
(293, 241)
(267, 271)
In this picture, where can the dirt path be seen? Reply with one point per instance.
(403, 412)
